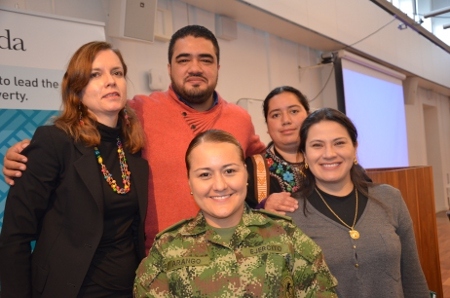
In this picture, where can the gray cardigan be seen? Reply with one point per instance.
(384, 261)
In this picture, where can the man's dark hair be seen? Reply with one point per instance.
(195, 31)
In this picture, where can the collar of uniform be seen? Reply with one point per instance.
(251, 218)
(198, 224)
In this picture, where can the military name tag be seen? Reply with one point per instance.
(263, 249)
(186, 261)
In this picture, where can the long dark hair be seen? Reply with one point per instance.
(358, 175)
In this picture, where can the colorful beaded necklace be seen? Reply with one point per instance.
(123, 168)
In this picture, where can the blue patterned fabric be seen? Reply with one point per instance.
(16, 125)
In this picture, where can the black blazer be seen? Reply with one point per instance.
(58, 202)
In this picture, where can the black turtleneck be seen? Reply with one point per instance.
(116, 254)
(344, 206)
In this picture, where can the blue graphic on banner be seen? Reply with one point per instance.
(16, 125)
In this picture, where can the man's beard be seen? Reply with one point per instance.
(194, 95)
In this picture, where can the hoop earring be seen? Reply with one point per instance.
(306, 165)
(355, 162)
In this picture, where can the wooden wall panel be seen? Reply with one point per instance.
(416, 186)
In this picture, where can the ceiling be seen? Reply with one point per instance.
(411, 23)
(254, 17)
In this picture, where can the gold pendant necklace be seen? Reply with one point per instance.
(354, 234)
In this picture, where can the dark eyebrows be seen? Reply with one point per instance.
(117, 68)
(289, 107)
(341, 139)
(183, 55)
(230, 165)
(209, 169)
(333, 140)
(187, 55)
(297, 105)
(112, 69)
(273, 111)
(206, 56)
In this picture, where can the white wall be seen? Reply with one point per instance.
(82, 9)
(428, 126)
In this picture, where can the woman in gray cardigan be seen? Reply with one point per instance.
(364, 229)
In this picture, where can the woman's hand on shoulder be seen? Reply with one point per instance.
(281, 202)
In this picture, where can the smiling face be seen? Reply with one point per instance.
(284, 118)
(218, 180)
(194, 71)
(330, 153)
(106, 93)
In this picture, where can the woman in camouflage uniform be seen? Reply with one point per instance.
(229, 250)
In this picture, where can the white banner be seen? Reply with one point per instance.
(30, 88)
(34, 51)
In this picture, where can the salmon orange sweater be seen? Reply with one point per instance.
(169, 126)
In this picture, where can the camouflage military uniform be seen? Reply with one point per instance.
(267, 256)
